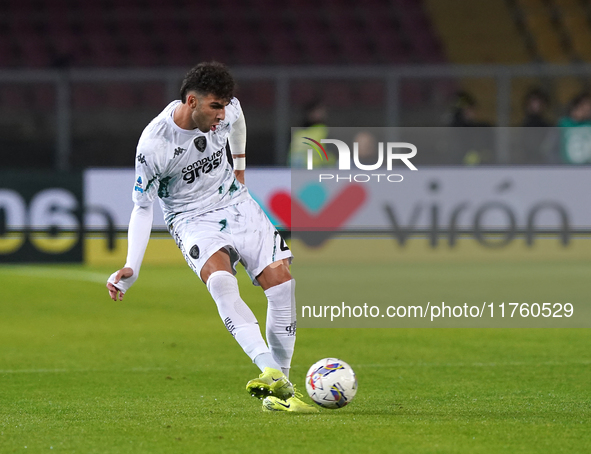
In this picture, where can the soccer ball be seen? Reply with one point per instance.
(331, 383)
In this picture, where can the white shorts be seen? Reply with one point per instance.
(242, 229)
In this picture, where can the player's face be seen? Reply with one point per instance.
(207, 112)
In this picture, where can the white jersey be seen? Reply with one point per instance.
(188, 170)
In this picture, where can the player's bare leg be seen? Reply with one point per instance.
(220, 261)
(242, 324)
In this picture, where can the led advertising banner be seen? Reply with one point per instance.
(41, 217)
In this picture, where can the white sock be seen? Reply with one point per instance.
(266, 360)
(236, 315)
(281, 323)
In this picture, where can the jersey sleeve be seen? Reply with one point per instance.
(237, 137)
(233, 111)
(147, 176)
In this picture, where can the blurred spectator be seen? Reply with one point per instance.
(535, 108)
(314, 127)
(575, 129)
(536, 145)
(473, 147)
(465, 111)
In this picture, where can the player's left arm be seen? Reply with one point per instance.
(237, 142)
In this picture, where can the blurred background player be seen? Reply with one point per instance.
(181, 158)
(314, 126)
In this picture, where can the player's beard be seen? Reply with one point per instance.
(204, 124)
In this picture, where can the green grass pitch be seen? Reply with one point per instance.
(158, 373)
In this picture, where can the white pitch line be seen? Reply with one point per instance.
(55, 273)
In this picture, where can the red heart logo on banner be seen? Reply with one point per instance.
(332, 217)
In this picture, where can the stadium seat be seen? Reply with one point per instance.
(171, 43)
(385, 36)
(568, 4)
(102, 51)
(294, 5)
(176, 51)
(139, 49)
(248, 51)
(151, 32)
(34, 53)
(281, 45)
(283, 51)
(531, 4)
(317, 46)
(7, 56)
(463, 26)
(574, 18)
(391, 50)
(547, 38)
(580, 34)
(355, 50)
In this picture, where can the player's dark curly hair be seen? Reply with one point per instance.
(209, 78)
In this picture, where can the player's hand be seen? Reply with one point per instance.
(114, 292)
(239, 175)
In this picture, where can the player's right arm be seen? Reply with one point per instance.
(138, 235)
(140, 223)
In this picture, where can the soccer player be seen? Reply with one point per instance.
(181, 158)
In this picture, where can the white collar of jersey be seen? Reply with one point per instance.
(189, 132)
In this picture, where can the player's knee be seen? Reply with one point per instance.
(275, 274)
(219, 261)
(222, 283)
